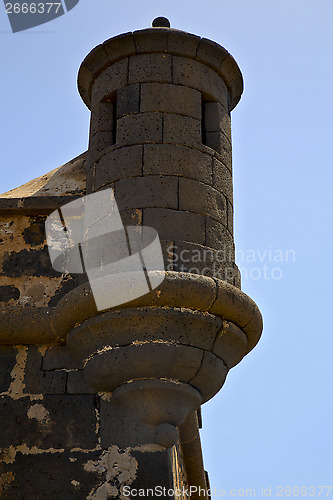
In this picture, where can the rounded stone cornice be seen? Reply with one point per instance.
(160, 40)
(178, 290)
(156, 342)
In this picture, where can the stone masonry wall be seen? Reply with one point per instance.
(55, 439)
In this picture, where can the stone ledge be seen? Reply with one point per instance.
(28, 325)
(34, 205)
(50, 326)
(183, 290)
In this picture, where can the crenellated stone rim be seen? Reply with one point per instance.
(160, 40)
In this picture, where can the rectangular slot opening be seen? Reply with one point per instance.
(210, 124)
(110, 110)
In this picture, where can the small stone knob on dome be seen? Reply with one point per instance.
(161, 22)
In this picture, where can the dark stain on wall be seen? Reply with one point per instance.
(35, 234)
(55, 471)
(70, 422)
(68, 285)
(8, 292)
(28, 263)
(7, 363)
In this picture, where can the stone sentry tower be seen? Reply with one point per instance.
(94, 401)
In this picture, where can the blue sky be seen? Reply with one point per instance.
(271, 425)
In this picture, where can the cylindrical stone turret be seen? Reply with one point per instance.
(160, 135)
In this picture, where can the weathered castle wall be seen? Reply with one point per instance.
(55, 441)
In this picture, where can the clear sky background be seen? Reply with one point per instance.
(272, 422)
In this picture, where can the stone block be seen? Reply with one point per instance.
(120, 46)
(77, 384)
(167, 159)
(145, 192)
(192, 258)
(181, 130)
(211, 53)
(184, 44)
(90, 175)
(128, 100)
(222, 179)
(150, 470)
(155, 468)
(16, 427)
(151, 40)
(74, 420)
(237, 88)
(59, 358)
(189, 429)
(85, 77)
(202, 260)
(85, 94)
(96, 59)
(150, 68)
(219, 238)
(205, 261)
(175, 224)
(53, 382)
(113, 421)
(37, 381)
(102, 117)
(118, 164)
(237, 277)
(139, 129)
(211, 376)
(224, 272)
(187, 290)
(199, 76)
(202, 199)
(167, 246)
(253, 328)
(229, 68)
(169, 98)
(109, 81)
(233, 305)
(98, 143)
(230, 344)
(225, 155)
(221, 144)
